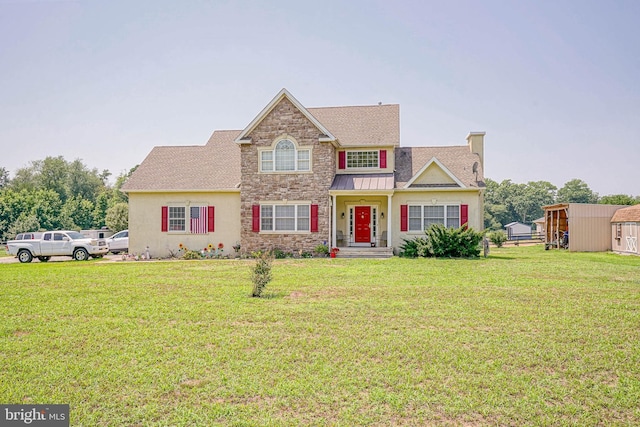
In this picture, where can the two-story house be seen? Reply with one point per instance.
(299, 177)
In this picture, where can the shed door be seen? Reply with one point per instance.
(632, 238)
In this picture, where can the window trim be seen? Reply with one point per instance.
(170, 229)
(296, 158)
(445, 216)
(352, 152)
(296, 218)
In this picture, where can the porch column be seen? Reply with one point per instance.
(389, 220)
(333, 242)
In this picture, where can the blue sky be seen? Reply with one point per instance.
(553, 83)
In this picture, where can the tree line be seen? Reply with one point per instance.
(55, 194)
(507, 202)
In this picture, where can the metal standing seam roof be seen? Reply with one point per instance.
(376, 181)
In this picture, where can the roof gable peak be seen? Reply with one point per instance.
(284, 93)
(439, 165)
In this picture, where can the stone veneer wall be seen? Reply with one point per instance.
(285, 118)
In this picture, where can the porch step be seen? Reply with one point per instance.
(364, 252)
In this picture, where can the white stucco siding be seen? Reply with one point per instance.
(145, 222)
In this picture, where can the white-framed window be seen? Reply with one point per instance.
(285, 217)
(422, 217)
(285, 157)
(362, 159)
(177, 218)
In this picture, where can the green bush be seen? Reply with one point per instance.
(442, 242)
(261, 273)
(322, 250)
(192, 255)
(497, 238)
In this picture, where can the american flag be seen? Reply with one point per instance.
(199, 219)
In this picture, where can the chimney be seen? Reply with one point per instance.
(476, 144)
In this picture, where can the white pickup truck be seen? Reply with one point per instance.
(57, 243)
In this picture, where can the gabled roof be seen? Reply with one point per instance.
(284, 93)
(457, 161)
(369, 125)
(630, 214)
(215, 166)
(453, 180)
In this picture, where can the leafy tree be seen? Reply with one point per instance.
(4, 178)
(80, 212)
(52, 174)
(119, 196)
(576, 191)
(117, 218)
(24, 179)
(619, 199)
(46, 205)
(25, 222)
(82, 182)
(100, 209)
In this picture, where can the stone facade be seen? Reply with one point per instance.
(312, 186)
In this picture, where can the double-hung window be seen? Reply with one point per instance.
(422, 217)
(195, 219)
(285, 157)
(177, 218)
(285, 217)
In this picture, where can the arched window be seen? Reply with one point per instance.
(285, 154)
(285, 157)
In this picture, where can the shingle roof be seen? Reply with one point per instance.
(363, 125)
(458, 159)
(215, 166)
(630, 214)
(375, 181)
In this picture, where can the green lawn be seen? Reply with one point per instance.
(524, 337)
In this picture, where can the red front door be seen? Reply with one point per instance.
(363, 224)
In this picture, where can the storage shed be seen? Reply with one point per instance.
(539, 223)
(518, 231)
(579, 227)
(625, 227)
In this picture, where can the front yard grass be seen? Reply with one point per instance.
(524, 337)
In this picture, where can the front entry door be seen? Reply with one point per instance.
(363, 224)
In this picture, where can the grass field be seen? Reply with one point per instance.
(524, 337)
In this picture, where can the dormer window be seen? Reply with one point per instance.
(285, 157)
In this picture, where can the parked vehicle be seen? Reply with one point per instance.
(33, 235)
(57, 243)
(119, 242)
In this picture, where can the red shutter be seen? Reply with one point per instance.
(342, 160)
(404, 218)
(314, 218)
(211, 219)
(256, 218)
(383, 159)
(464, 216)
(165, 218)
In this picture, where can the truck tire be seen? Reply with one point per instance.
(80, 254)
(44, 258)
(24, 256)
